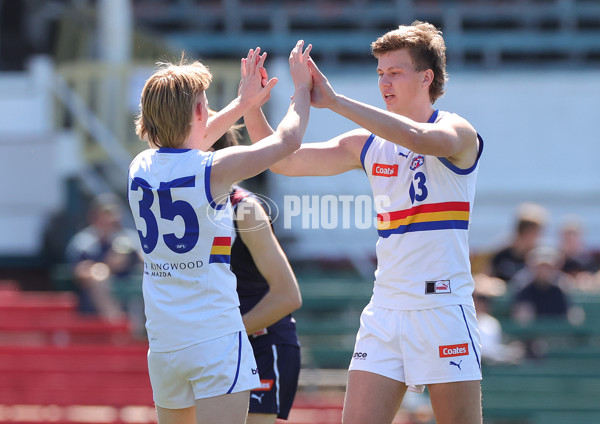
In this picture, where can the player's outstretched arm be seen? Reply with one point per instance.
(257, 125)
(332, 157)
(252, 92)
(451, 138)
(241, 162)
(283, 296)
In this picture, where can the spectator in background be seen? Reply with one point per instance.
(530, 223)
(543, 287)
(494, 350)
(101, 253)
(543, 294)
(579, 262)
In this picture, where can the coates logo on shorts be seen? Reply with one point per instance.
(454, 350)
(224, 216)
(384, 170)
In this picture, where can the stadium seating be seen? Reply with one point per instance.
(329, 318)
(57, 366)
(98, 364)
(535, 390)
(486, 33)
(559, 386)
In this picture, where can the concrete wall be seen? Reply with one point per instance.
(28, 159)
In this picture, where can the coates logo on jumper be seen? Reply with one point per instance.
(417, 162)
(454, 350)
(385, 170)
(265, 386)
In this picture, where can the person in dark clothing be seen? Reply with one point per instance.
(580, 262)
(508, 261)
(268, 293)
(100, 254)
(543, 294)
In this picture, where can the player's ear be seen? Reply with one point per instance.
(428, 77)
(199, 112)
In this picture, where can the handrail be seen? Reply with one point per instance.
(96, 128)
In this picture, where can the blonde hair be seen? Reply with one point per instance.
(168, 101)
(426, 47)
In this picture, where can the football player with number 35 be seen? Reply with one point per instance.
(200, 362)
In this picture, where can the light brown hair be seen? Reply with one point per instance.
(426, 47)
(168, 101)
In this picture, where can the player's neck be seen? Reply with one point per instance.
(418, 113)
(193, 141)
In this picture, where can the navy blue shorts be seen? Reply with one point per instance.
(279, 368)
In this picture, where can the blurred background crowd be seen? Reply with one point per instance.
(524, 72)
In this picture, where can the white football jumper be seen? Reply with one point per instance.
(189, 290)
(423, 206)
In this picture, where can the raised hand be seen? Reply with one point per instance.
(322, 94)
(264, 80)
(255, 87)
(299, 65)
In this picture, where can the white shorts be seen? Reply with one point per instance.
(212, 368)
(419, 347)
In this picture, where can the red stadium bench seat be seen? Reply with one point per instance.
(61, 367)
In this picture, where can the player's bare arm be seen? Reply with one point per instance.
(241, 162)
(331, 157)
(453, 137)
(284, 296)
(252, 92)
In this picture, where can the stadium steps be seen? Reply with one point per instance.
(58, 366)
